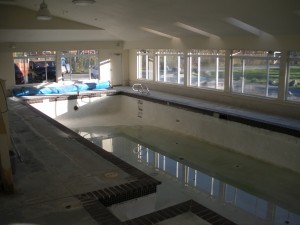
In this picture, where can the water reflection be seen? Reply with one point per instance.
(178, 169)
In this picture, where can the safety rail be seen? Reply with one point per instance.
(141, 88)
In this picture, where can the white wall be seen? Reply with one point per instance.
(7, 72)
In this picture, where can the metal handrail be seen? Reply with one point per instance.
(140, 88)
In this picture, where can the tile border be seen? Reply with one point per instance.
(102, 215)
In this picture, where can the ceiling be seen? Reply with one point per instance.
(134, 20)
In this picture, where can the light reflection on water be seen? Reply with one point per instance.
(178, 169)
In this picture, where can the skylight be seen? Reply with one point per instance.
(157, 32)
(195, 30)
(244, 26)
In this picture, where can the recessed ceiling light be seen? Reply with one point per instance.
(83, 2)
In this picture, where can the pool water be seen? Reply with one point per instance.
(237, 187)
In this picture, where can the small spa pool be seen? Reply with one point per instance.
(236, 170)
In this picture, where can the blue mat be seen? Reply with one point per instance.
(28, 91)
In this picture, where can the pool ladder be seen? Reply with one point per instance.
(141, 88)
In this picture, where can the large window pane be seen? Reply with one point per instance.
(42, 69)
(21, 70)
(80, 65)
(170, 66)
(206, 68)
(294, 77)
(34, 67)
(40, 66)
(145, 64)
(256, 73)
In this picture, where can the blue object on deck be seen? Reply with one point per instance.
(27, 91)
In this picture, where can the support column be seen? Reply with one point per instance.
(5, 166)
(227, 74)
(283, 76)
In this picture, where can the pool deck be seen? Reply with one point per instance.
(62, 179)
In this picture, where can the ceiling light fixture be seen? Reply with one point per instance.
(43, 13)
(83, 2)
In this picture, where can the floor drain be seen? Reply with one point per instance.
(111, 174)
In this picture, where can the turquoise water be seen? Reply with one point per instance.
(239, 188)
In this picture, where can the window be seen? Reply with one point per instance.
(294, 77)
(206, 68)
(252, 73)
(255, 73)
(80, 64)
(34, 67)
(145, 64)
(40, 66)
(170, 64)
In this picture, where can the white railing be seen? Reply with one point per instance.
(141, 88)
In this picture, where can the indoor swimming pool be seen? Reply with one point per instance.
(239, 188)
(194, 156)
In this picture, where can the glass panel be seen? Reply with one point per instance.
(41, 69)
(145, 64)
(171, 66)
(256, 73)
(20, 71)
(294, 77)
(40, 66)
(207, 68)
(31, 67)
(80, 65)
(162, 71)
